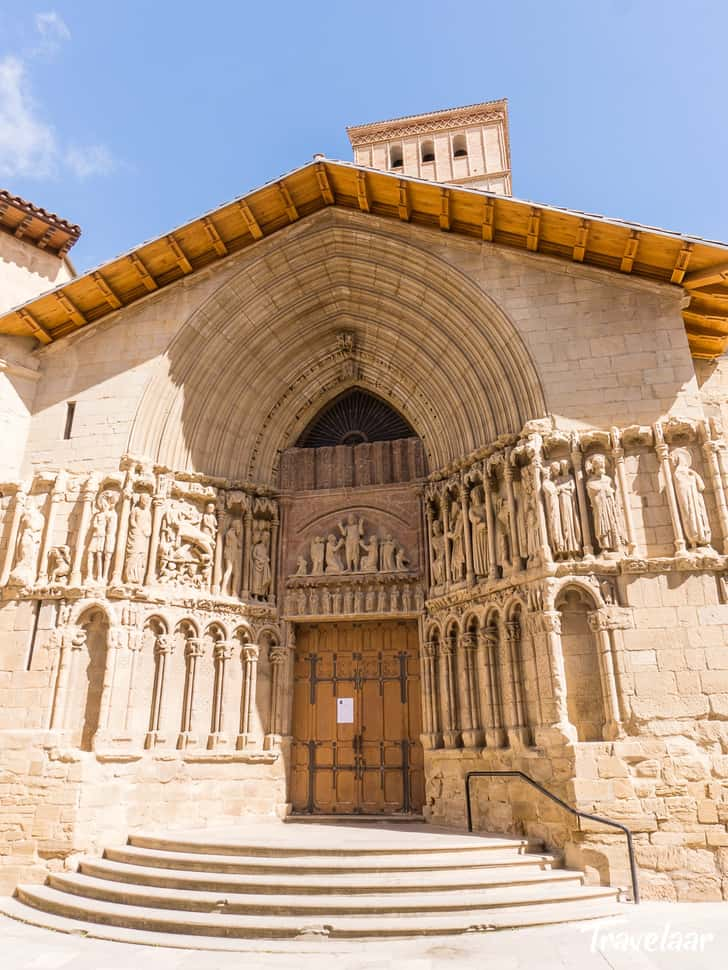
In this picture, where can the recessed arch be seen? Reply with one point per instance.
(250, 368)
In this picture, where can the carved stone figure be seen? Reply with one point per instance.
(301, 566)
(352, 533)
(232, 557)
(208, 525)
(437, 541)
(185, 549)
(261, 572)
(318, 551)
(566, 491)
(502, 532)
(689, 488)
(478, 516)
(605, 508)
(457, 553)
(103, 533)
(552, 509)
(59, 564)
(388, 554)
(370, 562)
(401, 562)
(332, 558)
(530, 514)
(31, 533)
(137, 543)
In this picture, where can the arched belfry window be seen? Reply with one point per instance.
(459, 146)
(354, 418)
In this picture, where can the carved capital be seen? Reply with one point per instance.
(598, 621)
(468, 641)
(551, 621)
(223, 649)
(251, 652)
(429, 648)
(164, 644)
(277, 655)
(488, 637)
(194, 647)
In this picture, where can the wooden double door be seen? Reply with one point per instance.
(356, 719)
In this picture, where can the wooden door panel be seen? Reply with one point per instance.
(374, 764)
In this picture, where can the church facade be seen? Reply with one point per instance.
(368, 479)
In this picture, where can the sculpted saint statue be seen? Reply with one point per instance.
(437, 541)
(261, 574)
(352, 533)
(478, 519)
(388, 554)
(401, 560)
(318, 549)
(552, 508)
(530, 513)
(333, 559)
(232, 556)
(370, 562)
(502, 532)
(137, 543)
(31, 532)
(605, 508)
(103, 533)
(689, 488)
(457, 554)
(566, 491)
(301, 566)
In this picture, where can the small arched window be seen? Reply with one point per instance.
(428, 151)
(459, 147)
(395, 156)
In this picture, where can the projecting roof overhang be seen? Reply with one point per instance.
(697, 265)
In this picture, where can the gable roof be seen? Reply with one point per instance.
(698, 265)
(36, 225)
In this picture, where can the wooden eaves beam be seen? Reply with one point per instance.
(251, 222)
(111, 298)
(288, 203)
(534, 225)
(403, 206)
(362, 193)
(445, 210)
(217, 244)
(582, 235)
(488, 228)
(74, 314)
(702, 277)
(178, 253)
(630, 251)
(324, 184)
(37, 329)
(681, 264)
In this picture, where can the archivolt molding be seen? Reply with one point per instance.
(248, 370)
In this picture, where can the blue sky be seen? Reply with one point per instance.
(133, 116)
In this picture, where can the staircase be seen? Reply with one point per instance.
(312, 881)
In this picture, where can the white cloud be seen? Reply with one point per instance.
(53, 31)
(27, 144)
(85, 160)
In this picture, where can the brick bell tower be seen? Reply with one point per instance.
(465, 146)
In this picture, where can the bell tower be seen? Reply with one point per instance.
(465, 146)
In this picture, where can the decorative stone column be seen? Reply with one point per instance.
(163, 648)
(577, 461)
(274, 530)
(222, 652)
(117, 569)
(495, 735)
(518, 732)
(88, 494)
(546, 626)
(247, 538)
(431, 737)
(448, 695)
(114, 641)
(246, 738)
(446, 532)
(58, 494)
(599, 625)
(217, 562)
(663, 453)
(711, 449)
(621, 477)
(467, 536)
(18, 508)
(472, 733)
(72, 639)
(135, 641)
(490, 520)
(277, 657)
(516, 550)
(159, 502)
(193, 651)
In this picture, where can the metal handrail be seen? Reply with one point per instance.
(563, 804)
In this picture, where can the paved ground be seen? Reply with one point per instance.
(687, 936)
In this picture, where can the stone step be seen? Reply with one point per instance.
(555, 887)
(578, 903)
(519, 870)
(313, 862)
(360, 842)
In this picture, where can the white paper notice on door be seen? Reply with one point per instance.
(344, 710)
